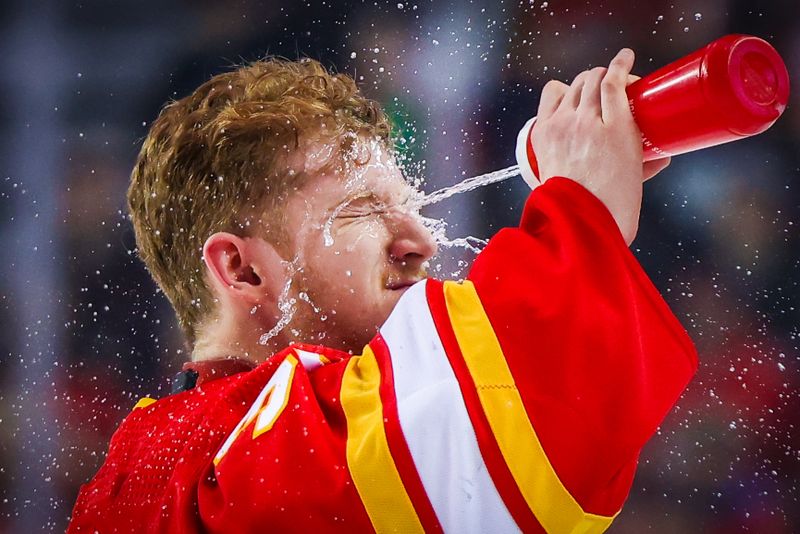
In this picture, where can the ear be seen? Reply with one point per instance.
(247, 269)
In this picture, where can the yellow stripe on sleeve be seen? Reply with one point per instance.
(554, 507)
(371, 465)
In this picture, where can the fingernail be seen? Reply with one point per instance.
(625, 52)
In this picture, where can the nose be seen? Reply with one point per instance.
(412, 242)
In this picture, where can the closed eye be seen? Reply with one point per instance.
(362, 207)
(355, 214)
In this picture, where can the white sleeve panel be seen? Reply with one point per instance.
(436, 425)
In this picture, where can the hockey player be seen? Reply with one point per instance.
(333, 388)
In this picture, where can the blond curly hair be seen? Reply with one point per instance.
(218, 156)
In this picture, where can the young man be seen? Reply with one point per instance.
(333, 387)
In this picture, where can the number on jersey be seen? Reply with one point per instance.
(267, 407)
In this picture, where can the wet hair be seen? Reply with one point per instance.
(219, 158)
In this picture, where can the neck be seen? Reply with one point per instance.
(231, 337)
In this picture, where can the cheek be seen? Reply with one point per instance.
(357, 256)
(365, 235)
(362, 262)
(353, 264)
(367, 238)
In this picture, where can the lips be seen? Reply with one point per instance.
(396, 285)
(403, 279)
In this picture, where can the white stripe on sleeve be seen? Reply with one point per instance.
(436, 424)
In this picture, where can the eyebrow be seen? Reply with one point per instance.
(362, 195)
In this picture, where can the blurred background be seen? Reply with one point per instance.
(85, 333)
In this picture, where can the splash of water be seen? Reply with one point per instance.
(438, 229)
(286, 305)
(361, 158)
(326, 228)
(466, 185)
(305, 298)
(471, 243)
(438, 226)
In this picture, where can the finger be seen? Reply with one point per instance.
(633, 78)
(590, 95)
(573, 95)
(551, 97)
(613, 99)
(651, 168)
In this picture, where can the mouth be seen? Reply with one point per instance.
(401, 284)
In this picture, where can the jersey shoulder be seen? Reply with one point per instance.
(159, 450)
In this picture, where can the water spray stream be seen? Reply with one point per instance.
(466, 185)
(438, 227)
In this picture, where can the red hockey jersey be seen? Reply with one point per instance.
(517, 400)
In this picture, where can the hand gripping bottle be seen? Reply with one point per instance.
(735, 87)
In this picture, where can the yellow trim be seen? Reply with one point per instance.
(144, 402)
(552, 504)
(371, 465)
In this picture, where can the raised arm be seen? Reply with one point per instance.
(585, 131)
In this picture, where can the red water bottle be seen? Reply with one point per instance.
(733, 88)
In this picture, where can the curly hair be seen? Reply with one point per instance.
(218, 156)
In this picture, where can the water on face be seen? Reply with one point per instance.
(326, 228)
(437, 227)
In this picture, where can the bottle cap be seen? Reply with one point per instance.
(750, 82)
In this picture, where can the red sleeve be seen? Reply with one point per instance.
(596, 354)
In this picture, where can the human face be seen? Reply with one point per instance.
(358, 247)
